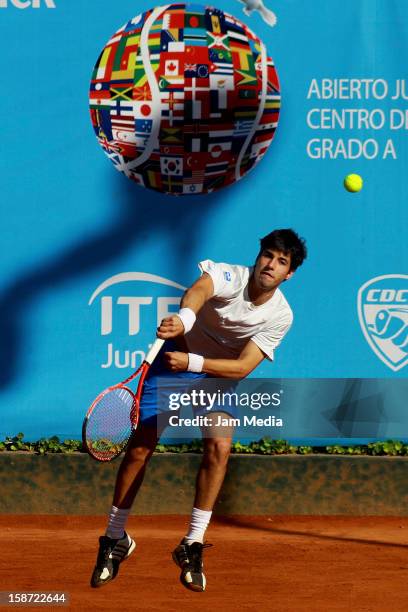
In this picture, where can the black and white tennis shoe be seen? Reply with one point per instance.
(110, 556)
(189, 557)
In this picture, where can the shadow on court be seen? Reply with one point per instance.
(272, 526)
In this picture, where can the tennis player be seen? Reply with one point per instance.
(230, 319)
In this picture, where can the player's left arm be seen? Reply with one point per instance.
(250, 357)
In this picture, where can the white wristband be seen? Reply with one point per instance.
(188, 318)
(195, 363)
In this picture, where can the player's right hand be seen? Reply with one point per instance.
(170, 327)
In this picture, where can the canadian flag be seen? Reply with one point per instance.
(171, 67)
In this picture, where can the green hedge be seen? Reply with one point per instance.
(265, 446)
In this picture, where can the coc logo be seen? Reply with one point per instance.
(131, 305)
(383, 314)
(24, 4)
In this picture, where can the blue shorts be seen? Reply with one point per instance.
(162, 384)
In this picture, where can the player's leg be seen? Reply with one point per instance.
(188, 555)
(132, 469)
(116, 545)
(212, 470)
(141, 446)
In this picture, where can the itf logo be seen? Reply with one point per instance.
(24, 4)
(131, 306)
(383, 314)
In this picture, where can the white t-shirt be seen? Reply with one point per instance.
(229, 320)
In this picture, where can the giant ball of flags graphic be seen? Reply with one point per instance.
(184, 99)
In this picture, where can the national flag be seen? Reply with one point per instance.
(171, 67)
(171, 166)
(258, 149)
(248, 94)
(247, 78)
(216, 169)
(143, 126)
(121, 92)
(123, 133)
(217, 150)
(194, 19)
(218, 41)
(108, 145)
(242, 127)
(219, 68)
(173, 19)
(190, 187)
(219, 55)
(142, 93)
(193, 38)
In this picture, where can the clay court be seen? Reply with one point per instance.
(284, 564)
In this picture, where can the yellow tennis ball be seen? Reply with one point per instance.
(353, 183)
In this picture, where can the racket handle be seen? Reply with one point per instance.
(152, 354)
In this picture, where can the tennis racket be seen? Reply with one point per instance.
(114, 414)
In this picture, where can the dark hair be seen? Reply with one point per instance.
(288, 242)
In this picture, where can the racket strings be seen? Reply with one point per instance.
(109, 425)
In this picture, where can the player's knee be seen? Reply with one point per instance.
(141, 445)
(217, 451)
(139, 454)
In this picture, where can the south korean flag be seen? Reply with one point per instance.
(171, 166)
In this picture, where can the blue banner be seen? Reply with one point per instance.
(93, 261)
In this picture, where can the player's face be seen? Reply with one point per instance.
(271, 269)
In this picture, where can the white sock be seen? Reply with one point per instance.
(198, 525)
(117, 522)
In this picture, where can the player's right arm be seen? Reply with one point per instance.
(194, 299)
(199, 293)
